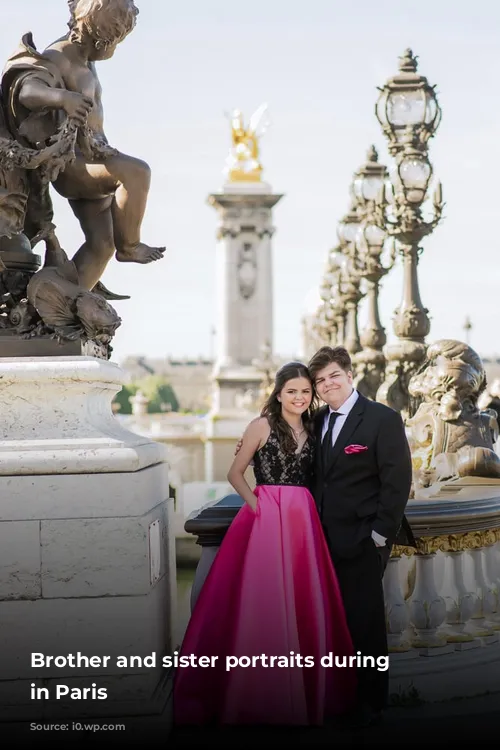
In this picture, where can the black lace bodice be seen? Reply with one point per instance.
(272, 465)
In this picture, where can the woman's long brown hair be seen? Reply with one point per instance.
(272, 408)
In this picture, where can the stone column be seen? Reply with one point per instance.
(460, 601)
(397, 615)
(427, 608)
(245, 314)
(244, 271)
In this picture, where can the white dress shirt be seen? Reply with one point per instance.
(344, 412)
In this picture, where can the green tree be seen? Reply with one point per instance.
(157, 390)
(122, 398)
(160, 394)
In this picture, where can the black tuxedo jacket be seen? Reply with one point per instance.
(358, 493)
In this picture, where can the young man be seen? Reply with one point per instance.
(361, 486)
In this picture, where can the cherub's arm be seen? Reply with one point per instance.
(36, 94)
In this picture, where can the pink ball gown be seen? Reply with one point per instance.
(271, 591)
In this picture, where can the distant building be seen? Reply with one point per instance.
(189, 378)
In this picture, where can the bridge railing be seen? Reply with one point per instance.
(441, 597)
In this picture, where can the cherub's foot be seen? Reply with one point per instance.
(141, 253)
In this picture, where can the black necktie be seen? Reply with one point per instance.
(326, 446)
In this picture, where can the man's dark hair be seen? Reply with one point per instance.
(328, 355)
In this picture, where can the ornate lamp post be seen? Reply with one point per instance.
(350, 276)
(335, 311)
(370, 240)
(409, 114)
(338, 306)
(408, 101)
(326, 327)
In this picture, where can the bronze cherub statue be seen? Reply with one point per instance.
(58, 307)
(51, 133)
(107, 190)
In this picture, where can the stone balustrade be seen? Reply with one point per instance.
(449, 595)
(442, 599)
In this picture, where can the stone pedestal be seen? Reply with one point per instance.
(87, 553)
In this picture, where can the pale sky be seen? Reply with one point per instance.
(317, 64)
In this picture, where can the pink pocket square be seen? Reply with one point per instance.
(355, 449)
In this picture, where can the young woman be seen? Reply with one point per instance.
(271, 590)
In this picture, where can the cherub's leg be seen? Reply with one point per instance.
(96, 221)
(129, 206)
(128, 179)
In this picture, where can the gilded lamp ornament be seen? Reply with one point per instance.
(409, 114)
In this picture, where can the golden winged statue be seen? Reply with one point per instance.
(243, 163)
